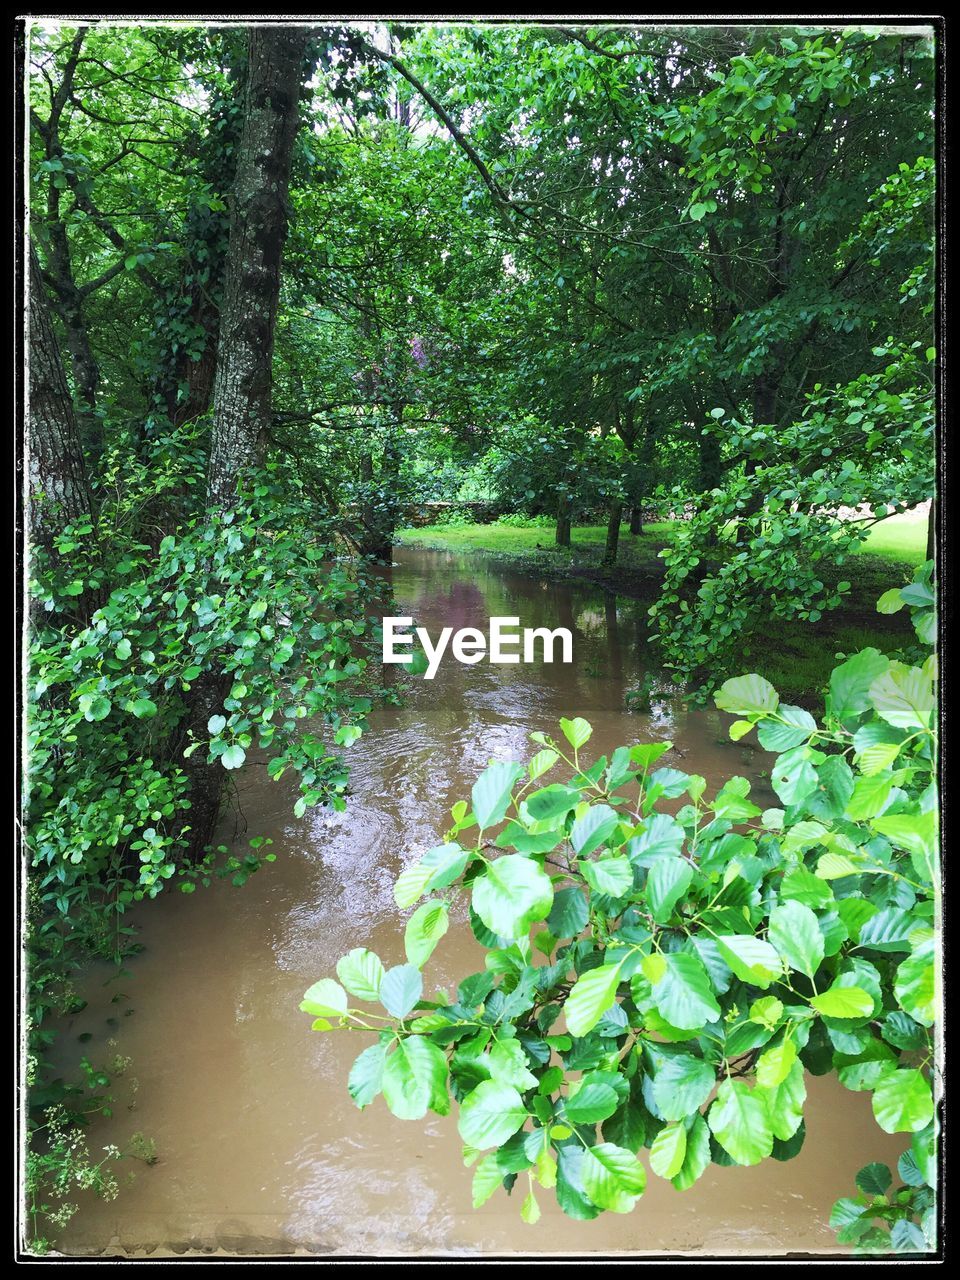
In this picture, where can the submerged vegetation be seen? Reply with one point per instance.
(662, 297)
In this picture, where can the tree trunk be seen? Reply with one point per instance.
(613, 534)
(244, 378)
(932, 532)
(563, 520)
(258, 229)
(765, 397)
(636, 520)
(58, 484)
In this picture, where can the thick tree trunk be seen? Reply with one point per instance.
(613, 534)
(258, 229)
(244, 377)
(636, 520)
(58, 485)
(68, 300)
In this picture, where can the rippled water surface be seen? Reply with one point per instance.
(260, 1148)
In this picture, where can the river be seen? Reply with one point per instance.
(261, 1150)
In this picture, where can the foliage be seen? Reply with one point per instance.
(858, 455)
(253, 597)
(663, 981)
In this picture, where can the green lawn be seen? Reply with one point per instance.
(899, 538)
(536, 542)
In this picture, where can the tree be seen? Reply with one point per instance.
(59, 493)
(243, 387)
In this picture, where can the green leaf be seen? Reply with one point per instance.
(683, 995)
(233, 757)
(747, 695)
(324, 999)
(491, 793)
(784, 1103)
(874, 1179)
(740, 1122)
(486, 1178)
(774, 1064)
(795, 932)
(593, 1102)
(424, 930)
(752, 959)
(767, 1012)
(891, 601)
(696, 1159)
(833, 866)
(851, 681)
(644, 754)
(507, 1063)
(776, 736)
(511, 895)
(366, 1075)
(400, 989)
(592, 995)
(530, 1210)
(593, 828)
(661, 837)
(491, 1114)
(95, 708)
(568, 915)
(682, 1085)
(667, 881)
(216, 725)
(915, 985)
(576, 731)
(361, 972)
(541, 763)
(446, 863)
(902, 1101)
(668, 1150)
(870, 794)
(415, 1079)
(903, 696)
(552, 802)
(843, 1002)
(613, 1178)
(613, 876)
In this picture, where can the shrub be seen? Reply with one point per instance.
(663, 981)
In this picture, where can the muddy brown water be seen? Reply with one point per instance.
(260, 1148)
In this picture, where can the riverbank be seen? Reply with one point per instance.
(798, 658)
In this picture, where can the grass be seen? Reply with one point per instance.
(535, 540)
(796, 658)
(899, 538)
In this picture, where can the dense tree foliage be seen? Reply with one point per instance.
(285, 281)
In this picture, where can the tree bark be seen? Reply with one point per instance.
(244, 378)
(636, 520)
(69, 297)
(258, 229)
(59, 493)
(563, 520)
(613, 534)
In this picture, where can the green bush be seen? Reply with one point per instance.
(663, 981)
(518, 520)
